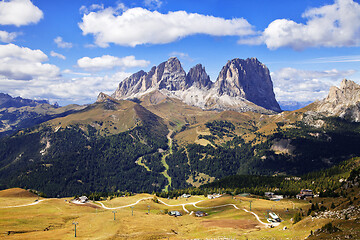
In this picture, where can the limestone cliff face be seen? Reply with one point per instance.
(249, 79)
(242, 85)
(168, 75)
(343, 101)
(173, 77)
(198, 77)
(133, 84)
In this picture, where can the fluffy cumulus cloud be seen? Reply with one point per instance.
(58, 55)
(336, 25)
(138, 26)
(21, 63)
(107, 62)
(19, 13)
(61, 44)
(304, 84)
(7, 37)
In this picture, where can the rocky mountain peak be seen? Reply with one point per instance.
(343, 101)
(347, 93)
(173, 64)
(102, 97)
(348, 85)
(173, 77)
(249, 79)
(198, 77)
(240, 83)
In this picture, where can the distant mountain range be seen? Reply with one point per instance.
(18, 113)
(6, 101)
(292, 105)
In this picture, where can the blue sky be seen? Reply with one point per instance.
(68, 51)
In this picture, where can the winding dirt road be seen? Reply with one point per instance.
(194, 204)
(26, 205)
(162, 202)
(129, 205)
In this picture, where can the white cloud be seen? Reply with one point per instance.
(86, 10)
(181, 55)
(69, 71)
(19, 13)
(292, 84)
(107, 62)
(78, 90)
(61, 44)
(336, 25)
(21, 63)
(96, 7)
(153, 4)
(138, 26)
(337, 59)
(7, 37)
(58, 55)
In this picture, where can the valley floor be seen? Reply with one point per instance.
(228, 217)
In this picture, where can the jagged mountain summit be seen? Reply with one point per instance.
(242, 85)
(343, 101)
(249, 79)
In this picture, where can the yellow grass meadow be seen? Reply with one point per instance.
(55, 218)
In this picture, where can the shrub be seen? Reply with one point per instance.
(297, 217)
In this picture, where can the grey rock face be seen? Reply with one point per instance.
(198, 77)
(131, 85)
(167, 75)
(240, 84)
(343, 101)
(173, 77)
(249, 79)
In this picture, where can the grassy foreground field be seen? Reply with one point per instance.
(53, 218)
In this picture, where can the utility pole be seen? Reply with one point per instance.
(250, 204)
(132, 210)
(148, 209)
(75, 223)
(114, 214)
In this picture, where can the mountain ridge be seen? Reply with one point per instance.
(103, 145)
(19, 113)
(342, 101)
(242, 85)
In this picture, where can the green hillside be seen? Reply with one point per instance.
(110, 142)
(80, 158)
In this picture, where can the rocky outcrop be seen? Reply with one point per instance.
(282, 146)
(198, 77)
(102, 97)
(168, 75)
(249, 79)
(242, 85)
(131, 85)
(173, 77)
(343, 101)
